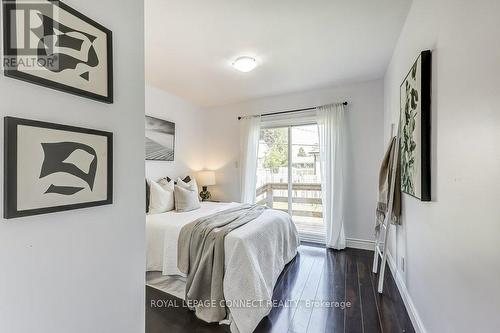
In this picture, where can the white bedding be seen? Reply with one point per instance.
(256, 254)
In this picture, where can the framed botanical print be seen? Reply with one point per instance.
(51, 44)
(415, 143)
(51, 167)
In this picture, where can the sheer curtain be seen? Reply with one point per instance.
(331, 126)
(249, 145)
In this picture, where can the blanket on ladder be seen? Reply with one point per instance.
(201, 257)
(384, 188)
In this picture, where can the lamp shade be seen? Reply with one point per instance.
(206, 178)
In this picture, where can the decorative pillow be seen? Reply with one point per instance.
(187, 183)
(161, 197)
(166, 183)
(186, 199)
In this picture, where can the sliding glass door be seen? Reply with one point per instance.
(307, 211)
(272, 168)
(289, 178)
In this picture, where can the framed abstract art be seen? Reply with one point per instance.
(48, 43)
(51, 167)
(415, 143)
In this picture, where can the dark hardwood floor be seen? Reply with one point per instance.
(315, 274)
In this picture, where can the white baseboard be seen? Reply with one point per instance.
(312, 238)
(405, 295)
(354, 243)
(361, 244)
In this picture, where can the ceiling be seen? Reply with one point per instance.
(300, 45)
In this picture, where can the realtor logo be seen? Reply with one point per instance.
(23, 48)
(36, 39)
(48, 43)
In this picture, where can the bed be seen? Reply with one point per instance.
(255, 255)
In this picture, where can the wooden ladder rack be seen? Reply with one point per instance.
(381, 246)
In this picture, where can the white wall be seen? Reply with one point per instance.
(452, 244)
(82, 271)
(190, 134)
(365, 129)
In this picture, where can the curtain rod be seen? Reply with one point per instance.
(289, 111)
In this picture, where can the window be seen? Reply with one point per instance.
(289, 177)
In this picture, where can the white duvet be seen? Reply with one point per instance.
(256, 254)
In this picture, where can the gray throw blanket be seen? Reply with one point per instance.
(201, 257)
(385, 179)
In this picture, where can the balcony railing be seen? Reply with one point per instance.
(266, 196)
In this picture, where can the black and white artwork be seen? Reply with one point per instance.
(51, 167)
(160, 139)
(50, 44)
(415, 144)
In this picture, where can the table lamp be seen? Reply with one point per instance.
(206, 178)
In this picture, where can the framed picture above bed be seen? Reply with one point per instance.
(415, 127)
(160, 139)
(51, 167)
(48, 43)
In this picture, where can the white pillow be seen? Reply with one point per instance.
(186, 199)
(191, 185)
(161, 197)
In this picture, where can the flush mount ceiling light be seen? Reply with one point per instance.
(245, 64)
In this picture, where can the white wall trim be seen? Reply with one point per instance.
(361, 244)
(354, 243)
(405, 295)
(312, 238)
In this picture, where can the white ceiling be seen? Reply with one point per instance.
(299, 45)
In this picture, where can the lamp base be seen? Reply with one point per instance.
(204, 194)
